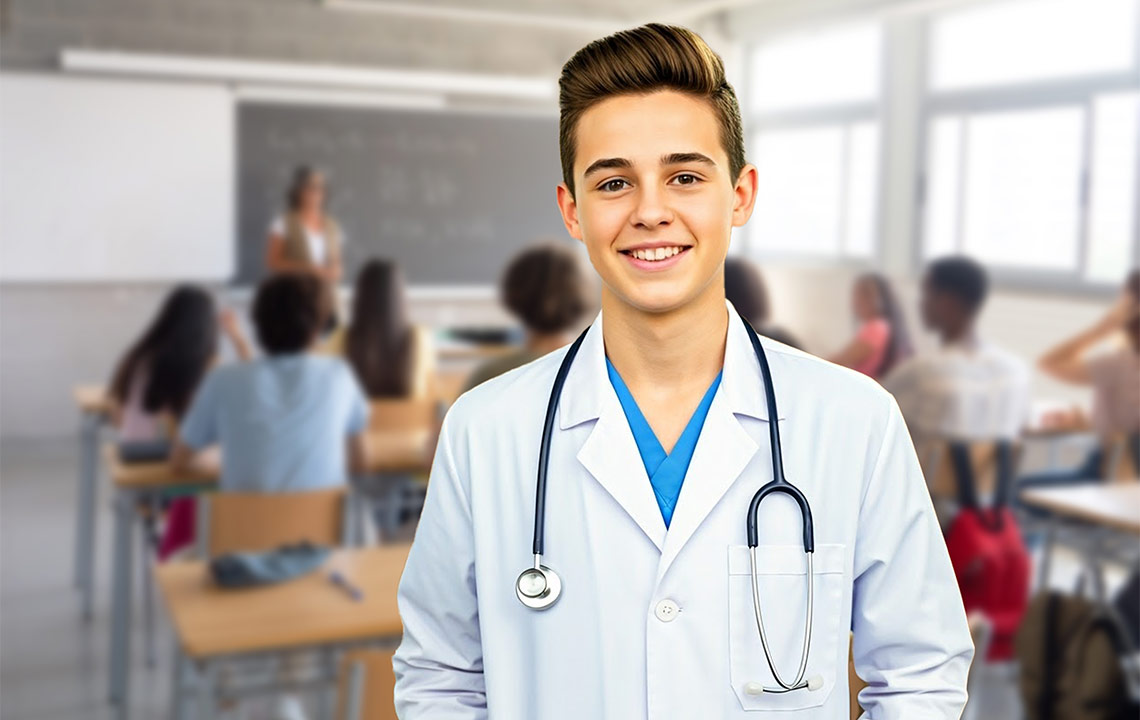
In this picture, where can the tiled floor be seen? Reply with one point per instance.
(53, 665)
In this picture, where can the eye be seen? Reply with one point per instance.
(615, 185)
(686, 179)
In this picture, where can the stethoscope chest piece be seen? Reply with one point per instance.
(538, 587)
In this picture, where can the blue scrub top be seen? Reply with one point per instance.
(666, 472)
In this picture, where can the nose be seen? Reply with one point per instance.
(652, 210)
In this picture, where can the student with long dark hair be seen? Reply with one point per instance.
(155, 380)
(882, 340)
(392, 357)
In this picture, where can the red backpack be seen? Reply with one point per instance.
(989, 557)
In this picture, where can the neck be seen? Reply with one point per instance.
(960, 334)
(668, 349)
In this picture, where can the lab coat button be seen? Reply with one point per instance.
(666, 611)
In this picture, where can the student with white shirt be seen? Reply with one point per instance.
(966, 389)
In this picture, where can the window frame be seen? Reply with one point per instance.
(1079, 92)
(843, 115)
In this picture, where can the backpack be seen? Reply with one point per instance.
(1072, 654)
(989, 558)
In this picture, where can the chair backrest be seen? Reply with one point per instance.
(1122, 457)
(254, 522)
(404, 414)
(366, 686)
(986, 462)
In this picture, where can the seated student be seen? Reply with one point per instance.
(967, 389)
(392, 357)
(1114, 375)
(289, 421)
(745, 288)
(154, 382)
(156, 378)
(545, 289)
(882, 340)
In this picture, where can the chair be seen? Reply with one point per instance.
(253, 522)
(401, 440)
(366, 686)
(1122, 457)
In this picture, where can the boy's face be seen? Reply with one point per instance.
(652, 181)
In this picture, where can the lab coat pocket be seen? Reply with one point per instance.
(781, 572)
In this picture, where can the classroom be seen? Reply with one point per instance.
(298, 297)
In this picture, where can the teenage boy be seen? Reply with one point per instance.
(660, 440)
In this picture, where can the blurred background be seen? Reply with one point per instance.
(150, 143)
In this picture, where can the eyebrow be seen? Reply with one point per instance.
(670, 159)
(689, 157)
(608, 164)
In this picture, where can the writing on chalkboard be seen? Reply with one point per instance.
(450, 196)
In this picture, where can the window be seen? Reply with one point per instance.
(1031, 40)
(812, 102)
(1031, 154)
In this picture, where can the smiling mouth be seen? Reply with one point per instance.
(656, 254)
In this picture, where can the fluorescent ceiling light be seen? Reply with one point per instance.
(299, 74)
(325, 97)
(483, 15)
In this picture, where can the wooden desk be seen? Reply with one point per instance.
(304, 612)
(388, 453)
(309, 612)
(94, 410)
(1101, 512)
(1115, 506)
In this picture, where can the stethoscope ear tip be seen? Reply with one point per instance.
(815, 682)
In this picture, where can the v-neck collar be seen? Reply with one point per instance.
(666, 471)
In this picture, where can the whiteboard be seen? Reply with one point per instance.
(115, 180)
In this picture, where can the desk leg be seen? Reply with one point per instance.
(179, 684)
(148, 558)
(85, 510)
(1047, 555)
(207, 687)
(121, 601)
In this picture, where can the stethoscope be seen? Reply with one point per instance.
(539, 587)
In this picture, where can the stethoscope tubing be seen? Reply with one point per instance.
(779, 484)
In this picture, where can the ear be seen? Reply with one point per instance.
(744, 195)
(568, 206)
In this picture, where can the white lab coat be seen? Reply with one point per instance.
(610, 648)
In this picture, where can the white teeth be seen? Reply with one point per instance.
(655, 254)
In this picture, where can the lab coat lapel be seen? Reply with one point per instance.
(723, 451)
(725, 448)
(610, 453)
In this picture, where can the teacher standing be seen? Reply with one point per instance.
(306, 238)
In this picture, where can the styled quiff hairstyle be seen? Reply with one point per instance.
(640, 61)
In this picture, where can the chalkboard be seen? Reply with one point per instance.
(450, 195)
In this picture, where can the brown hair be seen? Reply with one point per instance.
(544, 287)
(642, 60)
(380, 343)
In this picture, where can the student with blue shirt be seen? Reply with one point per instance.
(289, 421)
